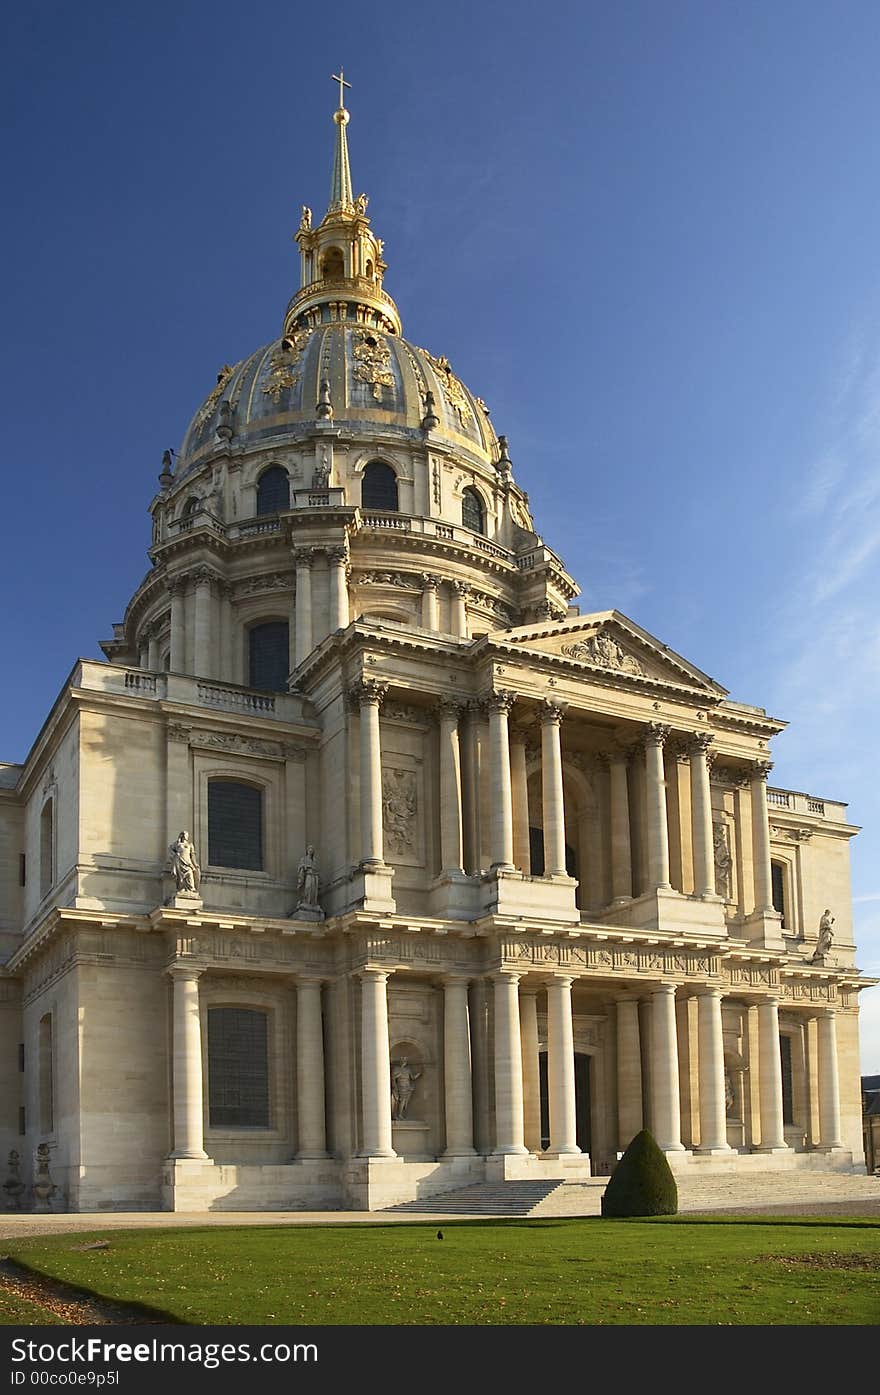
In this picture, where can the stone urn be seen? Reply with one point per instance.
(13, 1186)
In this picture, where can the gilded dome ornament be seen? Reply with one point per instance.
(208, 406)
(373, 359)
(452, 388)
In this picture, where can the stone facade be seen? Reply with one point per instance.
(557, 899)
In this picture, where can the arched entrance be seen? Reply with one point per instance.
(582, 1100)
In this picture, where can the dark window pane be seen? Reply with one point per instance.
(777, 877)
(273, 490)
(269, 660)
(472, 511)
(238, 1068)
(787, 1094)
(235, 825)
(379, 489)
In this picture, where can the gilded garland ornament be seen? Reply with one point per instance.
(372, 360)
(285, 365)
(207, 408)
(452, 388)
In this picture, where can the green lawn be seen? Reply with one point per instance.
(670, 1271)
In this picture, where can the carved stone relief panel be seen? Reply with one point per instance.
(402, 814)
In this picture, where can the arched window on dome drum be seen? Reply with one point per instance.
(235, 825)
(190, 507)
(333, 265)
(473, 514)
(379, 488)
(273, 490)
(269, 656)
(238, 1068)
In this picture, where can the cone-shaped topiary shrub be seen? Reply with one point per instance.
(642, 1183)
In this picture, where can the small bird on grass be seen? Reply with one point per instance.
(439, 1234)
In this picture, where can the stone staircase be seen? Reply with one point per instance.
(768, 1193)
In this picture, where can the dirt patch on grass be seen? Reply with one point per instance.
(67, 1304)
(832, 1259)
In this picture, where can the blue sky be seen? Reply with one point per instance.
(645, 233)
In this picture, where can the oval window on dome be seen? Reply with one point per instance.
(379, 488)
(273, 490)
(473, 515)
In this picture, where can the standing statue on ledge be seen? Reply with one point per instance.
(185, 864)
(403, 1084)
(826, 935)
(305, 221)
(307, 878)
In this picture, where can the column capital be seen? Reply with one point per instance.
(371, 974)
(461, 588)
(188, 972)
(304, 556)
(455, 977)
(365, 692)
(506, 975)
(176, 585)
(309, 980)
(560, 980)
(760, 769)
(448, 709)
(667, 988)
(709, 990)
(338, 554)
(552, 713)
(501, 700)
(429, 582)
(656, 734)
(699, 742)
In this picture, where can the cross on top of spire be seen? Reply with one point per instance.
(340, 78)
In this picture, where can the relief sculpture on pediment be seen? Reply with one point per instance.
(605, 652)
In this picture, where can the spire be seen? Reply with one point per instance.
(340, 185)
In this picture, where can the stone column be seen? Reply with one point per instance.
(470, 772)
(713, 1106)
(761, 837)
(228, 666)
(477, 1005)
(203, 652)
(657, 830)
(303, 556)
(430, 603)
(829, 1082)
(508, 1065)
(457, 1069)
(560, 1068)
(310, 1070)
(451, 850)
(337, 560)
(177, 589)
(187, 1064)
(369, 694)
(519, 784)
(375, 1065)
(528, 1034)
(460, 592)
(621, 851)
(770, 1073)
(153, 656)
(500, 797)
(701, 816)
(629, 1072)
(553, 799)
(666, 1107)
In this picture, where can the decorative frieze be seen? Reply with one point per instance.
(272, 581)
(405, 712)
(235, 744)
(405, 580)
(808, 990)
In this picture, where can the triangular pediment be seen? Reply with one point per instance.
(609, 641)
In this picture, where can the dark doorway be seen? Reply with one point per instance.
(536, 854)
(582, 1100)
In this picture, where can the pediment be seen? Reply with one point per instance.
(610, 642)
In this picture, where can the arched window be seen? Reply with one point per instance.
(235, 825)
(47, 846)
(268, 656)
(333, 265)
(238, 1068)
(777, 881)
(190, 507)
(273, 490)
(379, 488)
(473, 514)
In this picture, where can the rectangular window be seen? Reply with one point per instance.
(21, 1055)
(22, 869)
(47, 847)
(235, 825)
(777, 876)
(269, 660)
(787, 1091)
(238, 1068)
(21, 1121)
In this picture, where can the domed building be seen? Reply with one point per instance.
(367, 867)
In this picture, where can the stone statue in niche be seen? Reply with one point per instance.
(403, 1085)
(723, 861)
(185, 864)
(321, 476)
(13, 1186)
(307, 885)
(729, 1096)
(826, 936)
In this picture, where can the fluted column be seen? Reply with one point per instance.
(187, 1064)
(629, 1072)
(430, 603)
(658, 831)
(479, 1025)
(519, 786)
(528, 1035)
(501, 798)
(770, 1076)
(470, 778)
(177, 588)
(310, 1070)
(829, 1082)
(508, 1066)
(203, 650)
(337, 561)
(621, 850)
(553, 799)
(375, 1065)
(666, 1107)
(369, 694)
(460, 592)
(451, 850)
(713, 1106)
(761, 836)
(701, 816)
(303, 557)
(457, 1068)
(228, 657)
(560, 1067)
